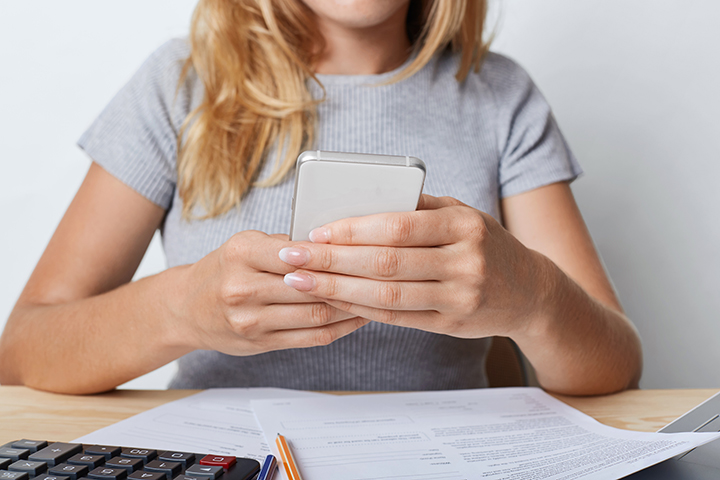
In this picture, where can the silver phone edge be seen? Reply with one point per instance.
(315, 155)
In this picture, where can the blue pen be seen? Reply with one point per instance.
(268, 469)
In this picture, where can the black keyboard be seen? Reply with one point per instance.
(41, 460)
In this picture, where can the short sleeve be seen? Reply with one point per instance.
(533, 151)
(135, 136)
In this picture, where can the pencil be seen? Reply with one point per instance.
(288, 460)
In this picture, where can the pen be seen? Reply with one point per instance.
(288, 460)
(268, 469)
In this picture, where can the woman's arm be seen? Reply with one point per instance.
(73, 330)
(79, 326)
(584, 344)
(449, 268)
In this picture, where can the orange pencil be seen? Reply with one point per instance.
(288, 460)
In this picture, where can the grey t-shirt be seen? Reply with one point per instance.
(489, 137)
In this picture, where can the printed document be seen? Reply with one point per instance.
(213, 421)
(508, 433)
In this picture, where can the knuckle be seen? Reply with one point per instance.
(389, 295)
(238, 246)
(475, 267)
(451, 201)
(348, 233)
(324, 336)
(472, 300)
(389, 317)
(343, 232)
(330, 287)
(344, 306)
(474, 226)
(320, 314)
(451, 326)
(245, 326)
(399, 228)
(233, 293)
(327, 259)
(387, 262)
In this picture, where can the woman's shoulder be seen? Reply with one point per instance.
(164, 77)
(498, 73)
(165, 65)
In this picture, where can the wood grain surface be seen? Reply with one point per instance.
(31, 414)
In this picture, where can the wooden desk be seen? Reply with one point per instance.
(26, 413)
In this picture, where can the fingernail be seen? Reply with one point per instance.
(320, 235)
(294, 256)
(299, 281)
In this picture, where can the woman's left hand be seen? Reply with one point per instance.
(445, 268)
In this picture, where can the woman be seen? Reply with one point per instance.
(203, 149)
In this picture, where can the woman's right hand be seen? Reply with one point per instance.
(234, 301)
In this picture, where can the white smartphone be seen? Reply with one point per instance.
(331, 186)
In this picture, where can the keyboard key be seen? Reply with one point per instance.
(45, 476)
(91, 461)
(32, 445)
(186, 459)
(140, 475)
(67, 470)
(225, 462)
(143, 453)
(5, 462)
(56, 453)
(129, 464)
(103, 473)
(186, 477)
(32, 468)
(14, 454)
(7, 475)
(104, 450)
(170, 469)
(208, 471)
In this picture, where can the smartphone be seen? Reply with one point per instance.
(331, 186)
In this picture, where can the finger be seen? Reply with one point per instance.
(316, 336)
(306, 315)
(427, 320)
(381, 263)
(428, 202)
(422, 228)
(371, 293)
(264, 289)
(256, 250)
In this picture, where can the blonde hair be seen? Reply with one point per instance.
(254, 58)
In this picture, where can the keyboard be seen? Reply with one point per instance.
(41, 460)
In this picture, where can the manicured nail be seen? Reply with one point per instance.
(294, 256)
(320, 235)
(299, 281)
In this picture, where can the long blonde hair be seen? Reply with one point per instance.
(254, 58)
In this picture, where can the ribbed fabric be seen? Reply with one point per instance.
(489, 137)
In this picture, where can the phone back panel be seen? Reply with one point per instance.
(329, 190)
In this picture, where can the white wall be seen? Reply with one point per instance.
(634, 84)
(60, 64)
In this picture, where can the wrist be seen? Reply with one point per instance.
(550, 283)
(171, 294)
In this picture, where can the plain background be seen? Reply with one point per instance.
(634, 85)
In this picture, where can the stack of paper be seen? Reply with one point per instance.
(513, 433)
(219, 420)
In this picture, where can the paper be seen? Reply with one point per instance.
(512, 433)
(213, 421)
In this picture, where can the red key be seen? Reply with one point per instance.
(225, 462)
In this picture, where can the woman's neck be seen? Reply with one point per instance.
(363, 51)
